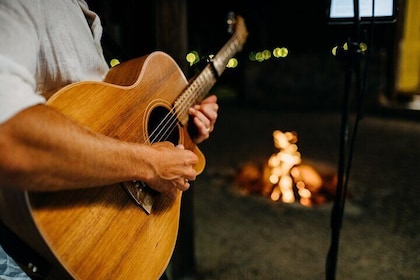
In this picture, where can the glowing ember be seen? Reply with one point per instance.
(285, 178)
(281, 164)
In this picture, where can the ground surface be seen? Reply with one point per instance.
(250, 237)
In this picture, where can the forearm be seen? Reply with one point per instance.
(43, 150)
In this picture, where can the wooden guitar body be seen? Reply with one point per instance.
(99, 233)
(116, 232)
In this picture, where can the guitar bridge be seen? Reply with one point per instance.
(141, 194)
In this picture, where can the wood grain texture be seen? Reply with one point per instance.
(99, 232)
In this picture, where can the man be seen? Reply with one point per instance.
(45, 45)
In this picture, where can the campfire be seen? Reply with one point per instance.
(286, 178)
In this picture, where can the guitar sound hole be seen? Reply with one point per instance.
(163, 126)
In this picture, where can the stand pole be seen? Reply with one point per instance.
(350, 55)
(338, 207)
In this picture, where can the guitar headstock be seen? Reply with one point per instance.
(236, 25)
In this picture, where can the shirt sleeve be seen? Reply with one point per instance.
(18, 49)
(17, 89)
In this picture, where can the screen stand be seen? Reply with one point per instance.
(350, 55)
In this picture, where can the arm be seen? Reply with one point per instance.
(43, 150)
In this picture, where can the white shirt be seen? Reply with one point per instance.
(45, 45)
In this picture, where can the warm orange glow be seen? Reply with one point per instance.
(288, 197)
(285, 178)
(281, 165)
(306, 202)
(274, 179)
(275, 195)
(286, 183)
(300, 185)
(295, 172)
(273, 161)
(304, 193)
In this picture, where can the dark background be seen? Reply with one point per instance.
(310, 77)
(300, 25)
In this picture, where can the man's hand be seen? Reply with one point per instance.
(173, 168)
(204, 117)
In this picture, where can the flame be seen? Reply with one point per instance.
(285, 178)
(280, 165)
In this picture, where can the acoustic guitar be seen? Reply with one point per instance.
(123, 231)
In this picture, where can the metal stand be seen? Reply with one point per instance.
(350, 54)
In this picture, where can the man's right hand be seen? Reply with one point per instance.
(173, 168)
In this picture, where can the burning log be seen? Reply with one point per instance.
(284, 177)
(250, 179)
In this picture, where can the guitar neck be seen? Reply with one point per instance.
(227, 52)
(204, 81)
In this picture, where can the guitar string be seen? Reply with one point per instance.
(186, 102)
(165, 128)
(162, 129)
(166, 132)
(233, 41)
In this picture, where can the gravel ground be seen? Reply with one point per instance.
(241, 236)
